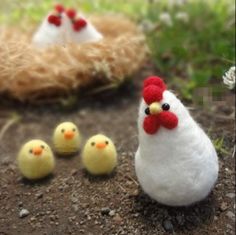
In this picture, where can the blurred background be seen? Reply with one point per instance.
(189, 40)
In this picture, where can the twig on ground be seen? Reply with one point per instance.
(13, 119)
(128, 176)
(122, 188)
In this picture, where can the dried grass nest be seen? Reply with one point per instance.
(29, 74)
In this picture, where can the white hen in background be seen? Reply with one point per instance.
(82, 30)
(64, 26)
(176, 163)
(53, 30)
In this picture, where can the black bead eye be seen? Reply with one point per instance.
(42, 146)
(107, 142)
(73, 129)
(165, 106)
(62, 130)
(147, 111)
(30, 151)
(93, 143)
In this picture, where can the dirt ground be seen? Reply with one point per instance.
(72, 202)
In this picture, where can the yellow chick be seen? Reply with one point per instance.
(66, 138)
(99, 155)
(35, 160)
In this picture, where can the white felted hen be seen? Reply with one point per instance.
(82, 30)
(54, 30)
(176, 163)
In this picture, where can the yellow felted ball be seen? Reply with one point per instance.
(35, 159)
(66, 138)
(99, 155)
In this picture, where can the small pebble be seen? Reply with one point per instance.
(230, 195)
(39, 195)
(117, 219)
(74, 199)
(74, 172)
(105, 211)
(168, 226)
(23, 213)
(75, 207)
(20, 204)
(230, 215)
(112, 212)
(223, 206)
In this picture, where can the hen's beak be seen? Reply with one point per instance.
(155, 108)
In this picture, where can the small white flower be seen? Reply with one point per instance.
(147, 26)
(229, 78)
(182, 16)
(173, 3)
(166, 19)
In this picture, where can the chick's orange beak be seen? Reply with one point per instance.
(37, 151)
(69, 135)
(100, 145)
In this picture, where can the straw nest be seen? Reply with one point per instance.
(29, 74)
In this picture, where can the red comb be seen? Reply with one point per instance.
(71, 13)
(79, 24)
(59, 8)
(52, 19)
(154, 80)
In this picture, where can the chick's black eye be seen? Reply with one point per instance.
(107, 142)
(165, 106)
(93, 143)
(30, 151)
(73, 129)
(42, 146)
(147, 111)
(62, 130)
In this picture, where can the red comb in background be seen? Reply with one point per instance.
(153, 88)
(154, 80)
(71, 13)
(52, 19)
(79, 24)
(59, 8)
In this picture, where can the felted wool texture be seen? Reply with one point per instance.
(176, 167)
(49, 34)
(86, 34)
(66, 146)
(32, 75)
(35, 166)
(99, 161)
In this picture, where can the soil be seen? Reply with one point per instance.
(73, 202)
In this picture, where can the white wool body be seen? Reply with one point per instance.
(86, 34)
(49, 34)
(175, 167)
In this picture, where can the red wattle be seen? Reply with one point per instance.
(150, 125)
(152, 94)
(168, 119)
(154, 80)
(79, 24)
